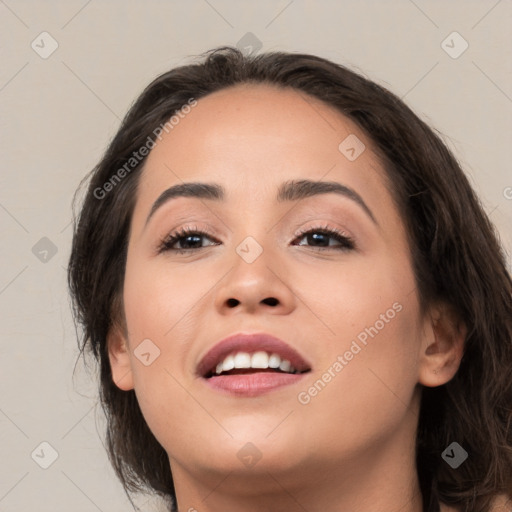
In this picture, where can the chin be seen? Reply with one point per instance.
(257, 454)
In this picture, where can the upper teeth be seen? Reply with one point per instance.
(255, 360)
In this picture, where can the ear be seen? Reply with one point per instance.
(443, 346)
(119, 356)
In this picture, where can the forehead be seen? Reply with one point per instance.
(252, 137)
(249, 114)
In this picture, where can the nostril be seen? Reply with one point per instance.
(272, 301)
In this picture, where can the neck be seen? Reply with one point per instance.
(383, 478)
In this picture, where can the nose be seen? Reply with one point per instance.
(261, 285)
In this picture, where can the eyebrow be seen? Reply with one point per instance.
(293, 190)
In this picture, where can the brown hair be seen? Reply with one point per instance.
(456, 258)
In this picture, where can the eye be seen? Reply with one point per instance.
(319, 238)
(189, 237)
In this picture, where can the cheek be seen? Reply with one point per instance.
(369, 370)
(156, 306)
(365, 394)
(345, 298)
(160, 302)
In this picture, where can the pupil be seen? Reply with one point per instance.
(192, 236)
(316, 236)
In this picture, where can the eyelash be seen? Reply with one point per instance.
(347, 243)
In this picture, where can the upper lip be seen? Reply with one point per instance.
(254, 342)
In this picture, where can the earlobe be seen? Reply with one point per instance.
(118, 353)
(443, 346)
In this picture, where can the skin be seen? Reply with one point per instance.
(352, 446)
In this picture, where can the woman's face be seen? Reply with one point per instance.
(348, 309)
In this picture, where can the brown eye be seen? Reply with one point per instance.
(189, 238)
(319, 238)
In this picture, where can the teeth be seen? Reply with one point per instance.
(259, 360)
(242, 360)
(256, 360)
(274, 361)
(285, 366)
(228, 364)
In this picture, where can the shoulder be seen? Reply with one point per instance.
(501, 503)
(448, 508)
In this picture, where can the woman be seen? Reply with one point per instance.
(295, 298)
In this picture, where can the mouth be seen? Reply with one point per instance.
(244, 363)
(251, 364)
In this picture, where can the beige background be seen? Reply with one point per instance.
(58, 113)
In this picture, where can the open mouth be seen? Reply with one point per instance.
(243, 363)
(249, 365)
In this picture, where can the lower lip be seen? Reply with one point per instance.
(252, 384)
